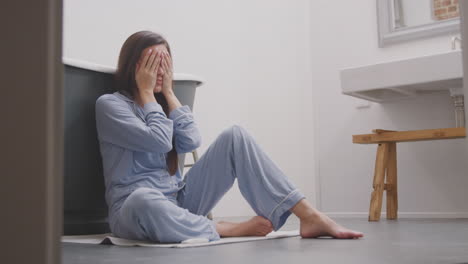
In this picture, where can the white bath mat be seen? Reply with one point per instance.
(109, 239)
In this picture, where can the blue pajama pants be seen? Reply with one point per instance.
(148, 214)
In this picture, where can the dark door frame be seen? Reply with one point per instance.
(31, 128)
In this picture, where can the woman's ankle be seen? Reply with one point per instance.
(304, 210)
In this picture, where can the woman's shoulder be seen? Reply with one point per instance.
(107, 97)
(107, 102)
(115, 97)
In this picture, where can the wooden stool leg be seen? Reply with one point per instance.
(391, 186)
(378, 184)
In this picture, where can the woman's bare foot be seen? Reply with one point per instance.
(315, 224)
(321, 225)
(256, 226)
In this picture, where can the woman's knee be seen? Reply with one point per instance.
(142, 209)
(142, 199)
(234, 131)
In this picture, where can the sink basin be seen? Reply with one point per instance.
(404, 78)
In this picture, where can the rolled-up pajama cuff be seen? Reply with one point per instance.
(215, 235)
(281, 212)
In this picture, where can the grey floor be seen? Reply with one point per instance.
(400, 241)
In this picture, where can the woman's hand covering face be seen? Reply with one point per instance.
(167, 74)
(147, 70)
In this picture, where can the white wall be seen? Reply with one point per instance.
(273, 67)
(432, 175)
(254, 55)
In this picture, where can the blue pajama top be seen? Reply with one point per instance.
(134, 142)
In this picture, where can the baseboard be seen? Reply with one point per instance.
(363, 215)
(401, 214)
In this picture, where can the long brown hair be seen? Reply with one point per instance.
(125, 81)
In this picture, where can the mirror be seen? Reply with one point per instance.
(404, 20)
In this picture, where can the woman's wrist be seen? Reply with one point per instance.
(168, 93)
(172, 100)
(167, 89)
(146, 97)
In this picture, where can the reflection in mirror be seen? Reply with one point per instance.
(409, 13)
(403, 20)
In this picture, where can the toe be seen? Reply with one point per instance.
(358, 234)
(349, 234)
(269, 224)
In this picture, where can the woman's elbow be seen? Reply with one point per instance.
(197, 141)
(161, 144)
(166, 147)
(189, 145)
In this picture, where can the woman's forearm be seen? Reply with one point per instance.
(172, 100)
(145, 97)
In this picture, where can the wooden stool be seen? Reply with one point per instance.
(385, 175)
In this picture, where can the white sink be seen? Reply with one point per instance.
(404, 78)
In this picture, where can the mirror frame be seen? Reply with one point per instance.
(388, 34)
